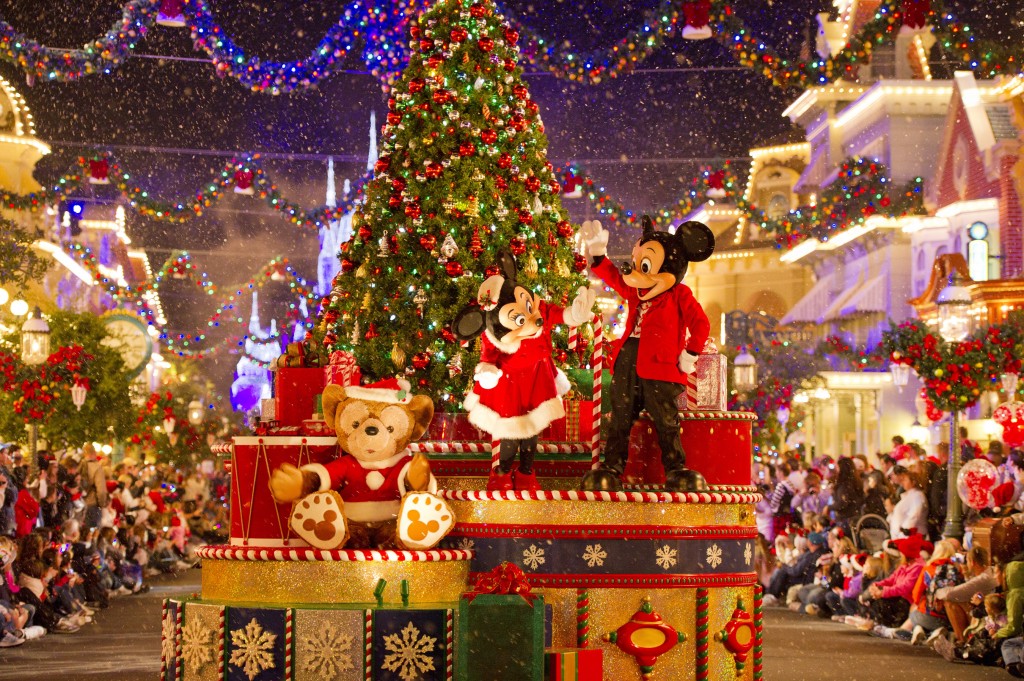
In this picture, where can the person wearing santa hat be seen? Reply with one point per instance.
(889, 599)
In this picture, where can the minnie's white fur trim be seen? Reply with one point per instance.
(562, 385)
(513, 427)
(507, 348)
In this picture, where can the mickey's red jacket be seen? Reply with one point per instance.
(663, 334)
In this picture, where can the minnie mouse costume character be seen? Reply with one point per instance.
(665, 331)
(517, 389)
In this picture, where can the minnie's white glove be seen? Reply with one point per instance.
(487, 375)
(580, 310)
(687, 362)
(594, 237)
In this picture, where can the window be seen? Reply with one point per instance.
(778, 206)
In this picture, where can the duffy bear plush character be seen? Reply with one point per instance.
(375, 425)
(665, 331)
(517, 389)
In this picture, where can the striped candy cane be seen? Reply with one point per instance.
(758, 633)
(221, 628)
(703, 645)
(289, 625)
(582, 618)
(573, 336)
(495, 453)
(597, 364)
(368, 651)
(163, 632)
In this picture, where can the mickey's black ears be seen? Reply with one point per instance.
(507, 263)
(648, 226)
(469, 323)
(697, 240)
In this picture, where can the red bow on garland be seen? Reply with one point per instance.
(506, 579)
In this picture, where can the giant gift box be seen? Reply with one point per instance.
(296, 390)
(706, 389)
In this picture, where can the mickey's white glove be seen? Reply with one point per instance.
(487, 375)
(594, 237)
(580, 310)
(687, 362)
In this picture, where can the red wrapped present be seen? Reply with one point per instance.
(573, 664)
(342, 370)
(454, 427)
(577, 426)
(296, 391)
(706, 389)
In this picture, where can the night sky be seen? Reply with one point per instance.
(679, 107)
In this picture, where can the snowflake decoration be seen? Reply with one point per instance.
(167, 638)
(326, 652)
(594, 555)
(714, 555)
(197, 644)
(748, 553)
(466, 544)
(409, 653)
(666, 557)
(253, 649)
(533, 557)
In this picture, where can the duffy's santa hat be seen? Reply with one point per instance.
(390, 391)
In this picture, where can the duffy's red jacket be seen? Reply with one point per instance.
(663, 333)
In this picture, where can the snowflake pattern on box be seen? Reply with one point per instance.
(465, 544)
(197, 644)
(594, 555)
(167, 638)
(253, 649)
(410, 653)
(714, 556)
(747, 554)
(666, 557)
(533, 557)
(326, 651)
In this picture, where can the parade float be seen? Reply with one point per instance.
(373, 538)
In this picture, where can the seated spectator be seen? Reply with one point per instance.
(910, 514)
(928, 613)
(890, 599)
(33, 582)
(798, 574)
(812, 499)
(980, 579)
(988, 616)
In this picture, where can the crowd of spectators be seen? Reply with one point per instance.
(863, 545)
(83, 530)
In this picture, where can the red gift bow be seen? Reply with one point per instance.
(506, 579)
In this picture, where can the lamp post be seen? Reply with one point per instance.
(744, 371)
(900, 375)
(195, 412)
(35, 348)
(954, 305)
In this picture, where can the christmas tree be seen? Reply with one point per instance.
(463, 173)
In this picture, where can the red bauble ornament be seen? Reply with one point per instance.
(520, 92)
(510, 65)
(477, 11)
(394, 118)
(467, 149)
(561, 356)
(517, 245)
(511, 36)
(517, 122)
(579, 263)
(394, 201)
(365, 232)
(434, 62)
(416, 84)
(420, 360)
(423, 382)
(347, 265)
(532, 184)
(412, 210)
(428, 241)
(501, 183)
(505, 160)
(491, 270)
(532, 107)
(489, 136)
(552, 240)
(398, 185)
(442, 96)
(415, 32)
(485, 44)
(433, 171)
(371, 332)
(525, 217)
(382, 165)
(564, 229)
(453, 268)
(458, 34)
(426, 45)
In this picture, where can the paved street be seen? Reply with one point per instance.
(124, 645)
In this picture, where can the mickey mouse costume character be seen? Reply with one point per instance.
(517, 389)
(665, 331)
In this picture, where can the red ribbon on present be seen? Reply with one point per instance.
(505, 580)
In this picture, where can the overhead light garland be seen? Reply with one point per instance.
(246, 176)
(380, 31)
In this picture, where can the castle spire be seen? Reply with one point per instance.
(332, 198)
(254, 318)
(371, 158)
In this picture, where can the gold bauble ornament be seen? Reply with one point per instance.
(397, 356)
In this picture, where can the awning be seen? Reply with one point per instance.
(834, 310)
(809, 308)
(869, 297)
(815, 173)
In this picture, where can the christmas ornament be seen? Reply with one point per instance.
(473, 207)
(579, 263)
(477, 11)
(564, 229)
(505, 161)
(453, 268)
(397, 356)
(525, 217)
(448, 247)
(382, 165)
(347, 265)
(427, 242)
(364, 232)
(416, 84)
(532, 184)
(467, 149)
(530, 267)
(371, 332)
(382, 246)
(455, 365)
(412, 210)
(517, 245)
(489, 136)
(975, 481)
(355, 337)
(485, 44)
(420, 360)
(433, 170)
(420, 299)
(476, 247)
(458, 34)
(511, 37)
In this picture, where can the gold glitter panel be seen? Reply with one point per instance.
(581, 513)
(328, 645)
(200, 640)
(312, 582)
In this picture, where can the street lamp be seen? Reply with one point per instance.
(195, 412)
(78, 392)
(35, 348)
(954, 305)
(744, 371)
(900, 375)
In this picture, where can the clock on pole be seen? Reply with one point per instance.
(128, 334)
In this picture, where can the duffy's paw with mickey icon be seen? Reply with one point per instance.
(423, 521)
(319, 519)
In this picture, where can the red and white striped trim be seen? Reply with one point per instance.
(689, 415)
(337, 556)
(223, 448)
(434, 447)
(574, 495)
